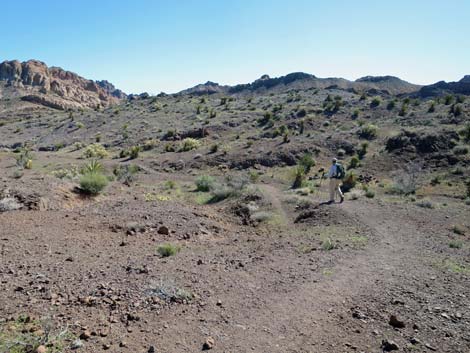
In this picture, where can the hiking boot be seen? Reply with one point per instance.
(342, 199)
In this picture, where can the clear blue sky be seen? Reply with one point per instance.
(169, 45)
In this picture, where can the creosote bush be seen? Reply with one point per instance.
(204, 183)
(368, 132)
(166, 250)
(189, 144)
(93, 183)
(95, 150)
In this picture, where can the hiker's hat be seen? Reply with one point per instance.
(334, 160)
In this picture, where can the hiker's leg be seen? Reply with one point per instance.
(332, 189)
(338, 189)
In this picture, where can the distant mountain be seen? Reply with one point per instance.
(442, 87)
(206, 88)
(34, 81)
(301, 80)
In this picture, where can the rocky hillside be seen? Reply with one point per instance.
(35, 82)
(389, 85)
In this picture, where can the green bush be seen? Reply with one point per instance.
(307, 162)
(166, 250)
(465, 133)
(460, 150)
(93, 183)
(189, 144)
(375, 102)
(353, 163)
(24, 159)
(370, 194)
(403, 109)
(134, 152)
(232, 187)
(361, 152)
(298, 176)
(126, 173)
(391, 105)
(214, 148)
(368, 132)
(432, 108)
(204, 183)
(95, 150)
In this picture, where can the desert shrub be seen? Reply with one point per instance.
(406, 181)
(93, 183)
(204, 183)
(391, 105)
(80, 125)
(233, 186)
(403, 109)
(457, 111)
(307, 162)
(375, 102)
(189, 144)
(368, 132)
(166, 250)
(349, 182)
(457, 229)
(355, 114)
(166, 290)
(301, 113)
(254, 176)
(267, 119)
(134, 152)
(261, 216)
(328, 244)
(149, 144)
(353, 163)
(126, 173)
(24, 158)
(465, 133)
(460, 150)
(169, 147)
(448, 99)
(214, 148)
(455, 244)
(299, 176)
(432, 108)
(285, 138)
(78, 146)
(370, 194)
(361, 152)
(425, 204)
(301, 127)
(95, 150)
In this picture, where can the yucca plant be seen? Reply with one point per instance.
(92, 167)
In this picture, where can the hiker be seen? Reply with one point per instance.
(336, 174)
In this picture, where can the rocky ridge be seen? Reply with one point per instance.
(35, 82)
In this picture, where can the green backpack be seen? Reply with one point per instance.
(339, 171)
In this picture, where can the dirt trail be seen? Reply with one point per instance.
(317, 315)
